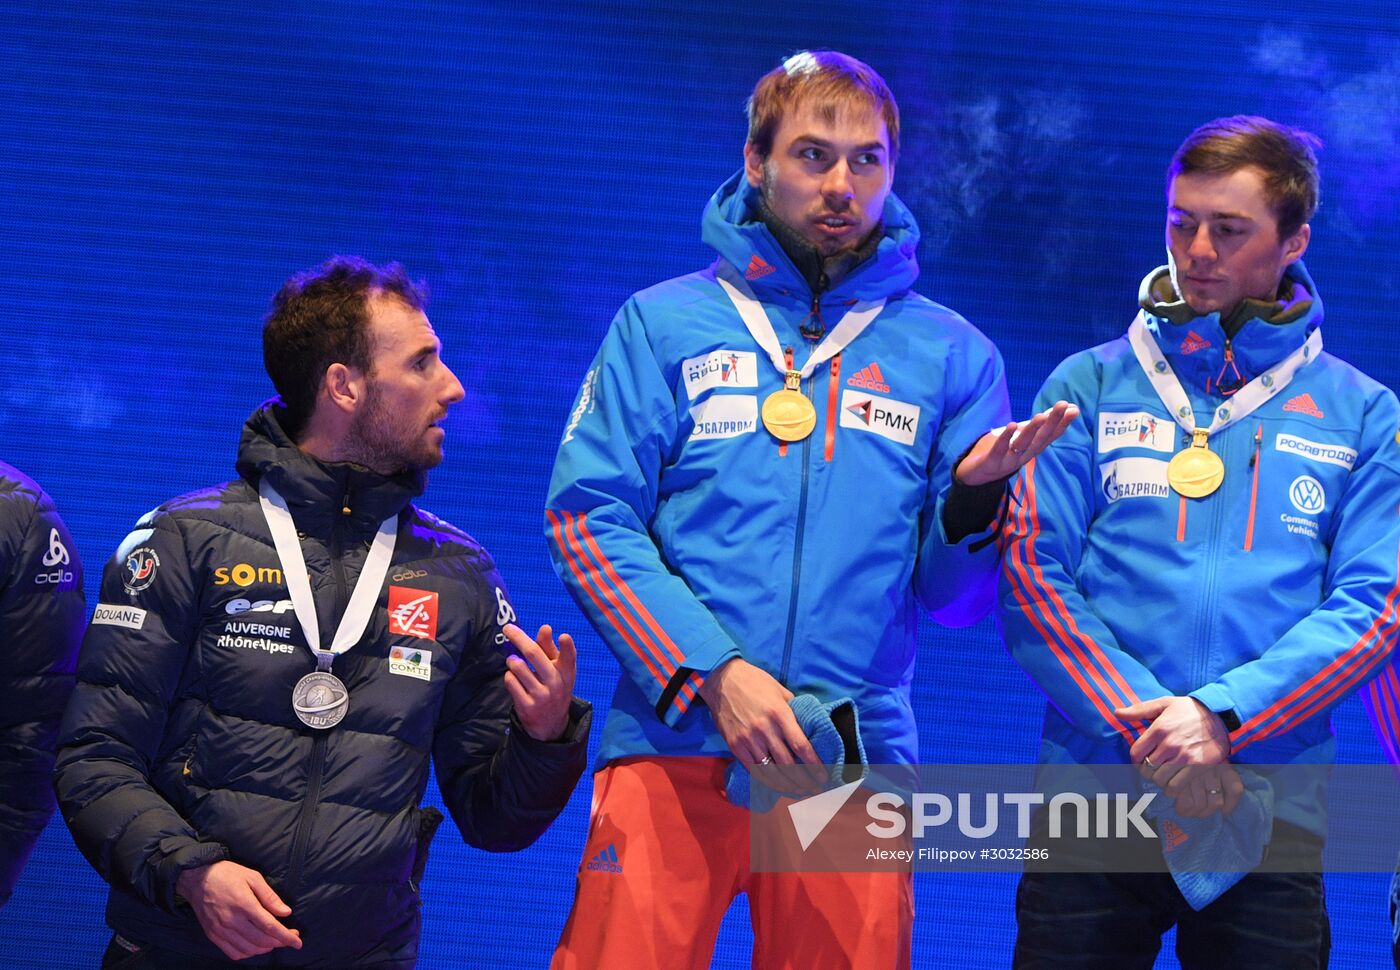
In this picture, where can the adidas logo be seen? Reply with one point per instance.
(605, 861)
(1193, 343)
(1304, 404)
(757, 268)
(870, 379)
(1172, 834)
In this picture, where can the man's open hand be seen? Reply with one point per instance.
(540, 680)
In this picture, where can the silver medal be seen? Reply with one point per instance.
(320, 700)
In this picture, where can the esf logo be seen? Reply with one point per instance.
(246, 575)
(237, 606)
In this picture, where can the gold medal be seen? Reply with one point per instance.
(787, 414)
(1197, 471)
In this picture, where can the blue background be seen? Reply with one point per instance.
(166, 165)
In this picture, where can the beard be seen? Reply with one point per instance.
(386, 442)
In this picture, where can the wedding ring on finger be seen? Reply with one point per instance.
(766, 760)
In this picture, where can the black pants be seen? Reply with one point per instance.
(1115, 920)
(120, 955)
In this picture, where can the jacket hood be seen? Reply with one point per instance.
(1264, 332)
(318, 492)
(732, 226)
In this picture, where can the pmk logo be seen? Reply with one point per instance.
(141, 568)
(413, 612)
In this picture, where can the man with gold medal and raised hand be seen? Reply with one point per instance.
(1206, 564)
(770, 469)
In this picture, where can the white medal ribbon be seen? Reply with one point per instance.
(1241, 404)
(755, 318)
(362, 598)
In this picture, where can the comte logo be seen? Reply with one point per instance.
(413, 612)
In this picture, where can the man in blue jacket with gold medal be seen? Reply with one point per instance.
(1202, 568)
(769, 471)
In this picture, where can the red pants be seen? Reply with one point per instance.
(666, 855)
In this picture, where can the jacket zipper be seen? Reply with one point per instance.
(1212, 539)
(1254, 463)
(787, 356)
(311, 802)
(833, 386)
(797, 552)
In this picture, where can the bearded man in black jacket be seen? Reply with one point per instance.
(274, 659)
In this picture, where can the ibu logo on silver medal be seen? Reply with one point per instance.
(1307, 495)
(320, 700)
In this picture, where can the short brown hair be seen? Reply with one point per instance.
(831, 80)
(1283, 154)
(321, 317)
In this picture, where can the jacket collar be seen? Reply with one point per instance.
(318, 492)
(1263, 332)
(733, 226)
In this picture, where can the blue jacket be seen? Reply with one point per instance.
(690, 536)
(1273, 598)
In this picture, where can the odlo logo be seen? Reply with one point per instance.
(56, 556)
(505, 613)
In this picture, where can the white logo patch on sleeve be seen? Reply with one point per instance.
(724, 416)
(1135, 429)
(108, 614)
(720, 368)
(1315, 450)
(1134, 478)
(883, 416)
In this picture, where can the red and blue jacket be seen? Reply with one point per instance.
(1268, 601)
(690, 536)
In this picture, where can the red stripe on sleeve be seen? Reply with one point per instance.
(1327, 684)
(1028, 578)
(586, 578)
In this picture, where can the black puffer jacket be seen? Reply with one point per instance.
(41, 625)
(181, 748)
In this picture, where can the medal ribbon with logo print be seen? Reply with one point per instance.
(787, 414)
(320, 699)
(1197, 471)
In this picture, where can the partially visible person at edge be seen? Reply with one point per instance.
(41, 624)
(244, 755)
(736, 547)
(1207, 613)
